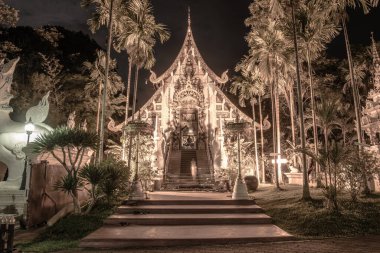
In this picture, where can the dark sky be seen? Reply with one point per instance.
(217, 26)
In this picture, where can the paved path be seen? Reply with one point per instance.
(368, 244)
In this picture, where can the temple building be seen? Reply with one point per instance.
(188, 111)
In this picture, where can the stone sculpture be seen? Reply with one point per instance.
(12, 134)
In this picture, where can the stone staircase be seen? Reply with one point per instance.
(179, 171)
(151, 223)
(174, 162)
(202, 162)
(186, 157)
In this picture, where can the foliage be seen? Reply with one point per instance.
(114, 183)
(357, 163)
(8, 15)
(93, 88)
(67, 232)
(68, 146)
(93, 174)
(139, 33)
(50, 47)
(312, 220)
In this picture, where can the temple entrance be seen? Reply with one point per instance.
(189, 129)
(188, 161)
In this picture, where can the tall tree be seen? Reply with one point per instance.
(268, 53)
(341, 9)
(143, 32)
(248, 86)
(316, 30)
(105, 10)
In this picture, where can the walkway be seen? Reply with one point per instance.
(370, 244)
(185, 218)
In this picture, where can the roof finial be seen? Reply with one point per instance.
(188, 16)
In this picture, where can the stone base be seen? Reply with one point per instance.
(137, 192)
(240, 190)
(13, 201)
(295, 178)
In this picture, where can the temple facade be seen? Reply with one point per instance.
(188, 112)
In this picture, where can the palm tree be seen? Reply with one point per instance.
(278, 10)
(317, 29)
(68, 147)
(96, 71)
(268, 53)
(326, 113)
(142, 36)
(104, 15)
(341, 9)
(143, 32)
(249, 86)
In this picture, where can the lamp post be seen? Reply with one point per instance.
(29, 129)
(240, 188)
(136, 128)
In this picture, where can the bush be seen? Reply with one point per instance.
(251, 182)
(115, 182)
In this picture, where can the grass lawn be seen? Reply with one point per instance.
(312, 220)
(67, 232)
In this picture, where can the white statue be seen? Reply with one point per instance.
(194, 169)
(71, 120)
(6, 77)
(12, 134)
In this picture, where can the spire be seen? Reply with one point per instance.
(188, 16)
(375, 54)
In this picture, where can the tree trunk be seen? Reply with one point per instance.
(135, 93)
(278, 135)
(99, 108)
(312, 99)
(126, 107)
(274, 131)
(253, 102)
(306, 190)
(262, 140)
(133, 114)
(355, 93)
(77, 209)
(326, 150)
(105, 84)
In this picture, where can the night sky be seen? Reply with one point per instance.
(218, 27)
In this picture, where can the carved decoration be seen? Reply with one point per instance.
(38, 114)
(6, 78)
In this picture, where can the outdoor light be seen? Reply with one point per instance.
(280, 160)
(29, 128)
(240, 188)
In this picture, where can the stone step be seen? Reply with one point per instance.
(194, 209)
(218, 202)
(152, 236)
(188, 219)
